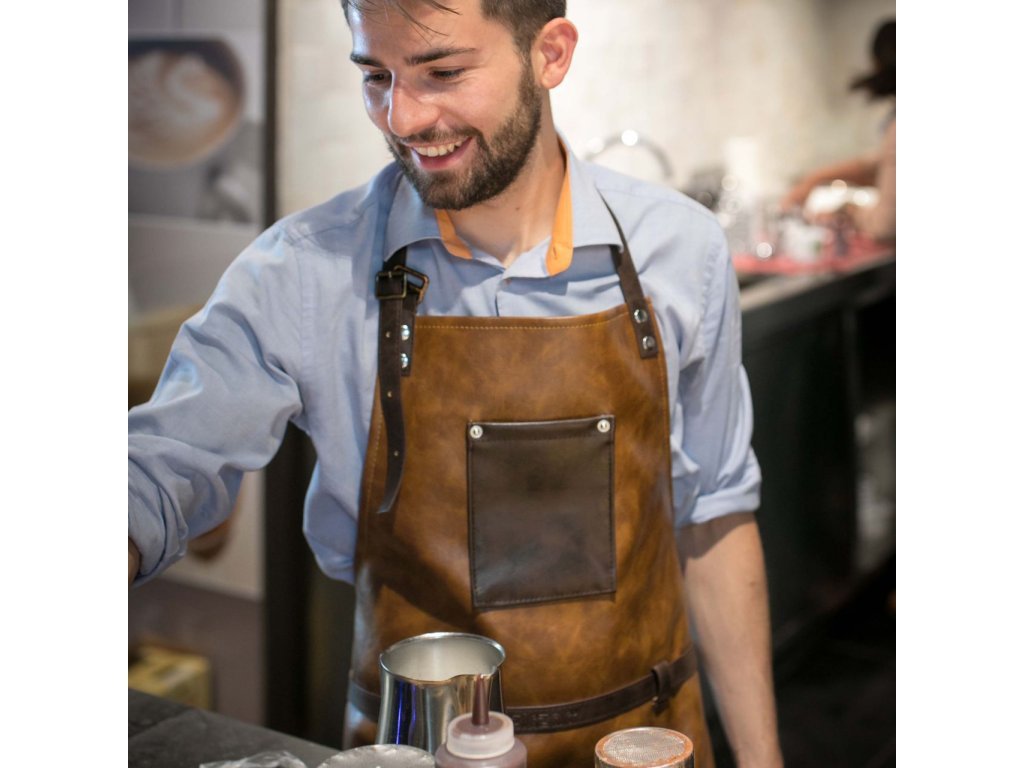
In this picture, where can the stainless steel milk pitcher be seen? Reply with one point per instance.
(428, 680)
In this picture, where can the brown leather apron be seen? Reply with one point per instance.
(535, 508)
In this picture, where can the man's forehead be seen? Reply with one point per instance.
(415, 12)
(381, 17)
(429, 34)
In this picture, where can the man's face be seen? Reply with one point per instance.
(455, 99)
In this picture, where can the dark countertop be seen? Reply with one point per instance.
(164, 734)
(774, 303)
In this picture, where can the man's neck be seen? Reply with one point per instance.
(524, 214)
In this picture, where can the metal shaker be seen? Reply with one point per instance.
(428, 680)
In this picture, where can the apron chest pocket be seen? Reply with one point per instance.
(541, 511)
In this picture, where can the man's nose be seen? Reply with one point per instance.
(409, 113)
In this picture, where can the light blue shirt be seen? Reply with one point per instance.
(290, 334)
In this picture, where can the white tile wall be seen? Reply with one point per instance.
(686, 74)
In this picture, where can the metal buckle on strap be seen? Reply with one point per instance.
(407, 279)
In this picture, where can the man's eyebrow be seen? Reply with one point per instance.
(435, 54)
(363, 61)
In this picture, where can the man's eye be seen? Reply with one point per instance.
(447, 74)
(375, 78)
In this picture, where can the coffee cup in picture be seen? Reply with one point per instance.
(185, 100)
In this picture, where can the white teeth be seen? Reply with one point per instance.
(438, 151)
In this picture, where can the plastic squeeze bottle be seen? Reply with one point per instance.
(481, 739)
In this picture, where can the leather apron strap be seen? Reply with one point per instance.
(643, 325)
(399, 289)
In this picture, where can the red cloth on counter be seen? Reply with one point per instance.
(860, 251)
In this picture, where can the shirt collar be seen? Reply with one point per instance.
(581, 219)
(559, 252)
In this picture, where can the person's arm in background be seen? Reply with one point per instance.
(878, 221)
(859, 171)
(726, 586)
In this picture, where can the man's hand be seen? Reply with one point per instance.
(134, 559)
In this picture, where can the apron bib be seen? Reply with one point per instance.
(535, 508)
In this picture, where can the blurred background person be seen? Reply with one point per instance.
(877, 168)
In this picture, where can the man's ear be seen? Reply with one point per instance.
(552, 51)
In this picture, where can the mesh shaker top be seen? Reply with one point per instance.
(644, 748)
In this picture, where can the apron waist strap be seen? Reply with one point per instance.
(658, 688)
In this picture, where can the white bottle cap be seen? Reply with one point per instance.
(477, 742)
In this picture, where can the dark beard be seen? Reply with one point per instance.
(496, 167)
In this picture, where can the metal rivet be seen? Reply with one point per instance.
(389, 394)
(604, 425)
(640, 315)
(476, 431)
(387, 334)
(406, 333)
(405, 360)
(649, 343)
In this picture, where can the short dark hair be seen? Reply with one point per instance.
(523, 18)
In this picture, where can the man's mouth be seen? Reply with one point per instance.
(437, 150)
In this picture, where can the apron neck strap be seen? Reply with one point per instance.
(629, 282)
(399, 290)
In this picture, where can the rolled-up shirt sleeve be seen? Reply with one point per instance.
(721, 474)
(224, 399)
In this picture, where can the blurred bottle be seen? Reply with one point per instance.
(733, 212)
(802, 242)
(481, 739)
